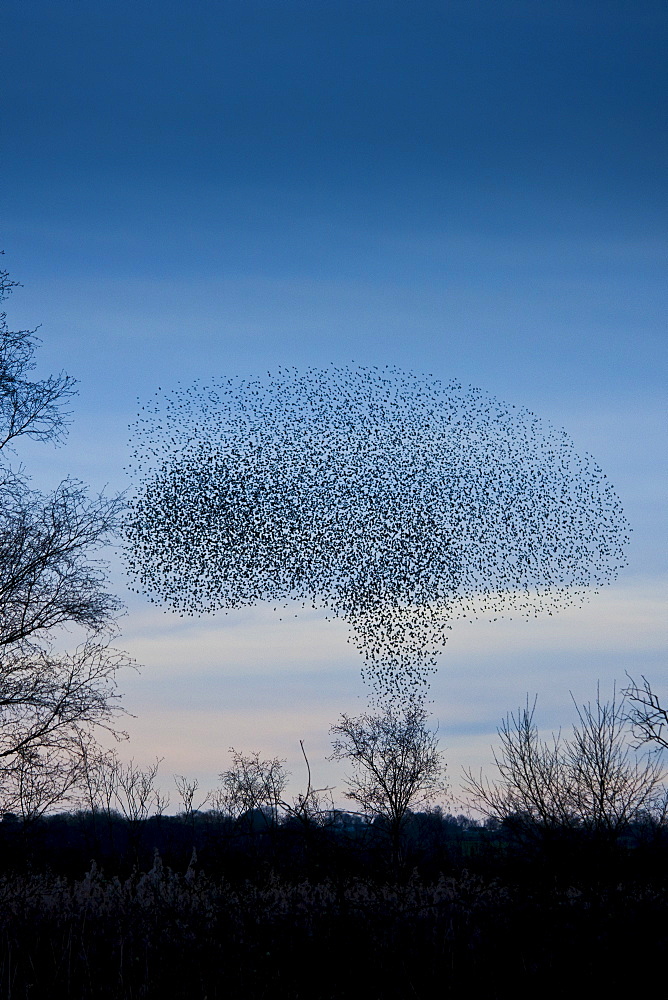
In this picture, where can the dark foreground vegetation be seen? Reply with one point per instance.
(206, 906)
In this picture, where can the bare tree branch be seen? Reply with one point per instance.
(648, 717)
(47, 576)
(48, 700)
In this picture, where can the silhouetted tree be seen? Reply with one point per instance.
(137, 797)
(315, 806)
(186, 787)
(253, 787)
(397, 765)
(591, 782)
(50, 702)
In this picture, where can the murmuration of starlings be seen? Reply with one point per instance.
(398, 503)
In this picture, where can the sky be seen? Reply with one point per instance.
(473, 189)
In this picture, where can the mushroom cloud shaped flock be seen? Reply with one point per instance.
(394, 501)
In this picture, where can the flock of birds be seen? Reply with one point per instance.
(396, 502)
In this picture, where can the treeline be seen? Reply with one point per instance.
(249, 846)
(335, 844)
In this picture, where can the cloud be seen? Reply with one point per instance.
(250, 642)
(620, 619)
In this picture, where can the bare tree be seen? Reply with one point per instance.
(135, 791)
(533, 789)
(612, 785)
(96, 784)
(397, 765)
(99, 780)
(27, 407)
(108, 786)
(187, 787)
(253, 793)
(311, 807)
(37, 781)
(592, 781)
(253, 787)
(50, 579)
(648, 717)
(48, 700)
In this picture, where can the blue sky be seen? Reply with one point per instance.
(472, 189)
